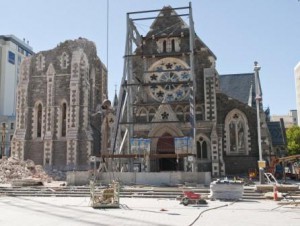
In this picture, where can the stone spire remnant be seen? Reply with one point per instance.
(56, 115)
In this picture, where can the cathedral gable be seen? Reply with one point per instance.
(165, 113)
(167, 22)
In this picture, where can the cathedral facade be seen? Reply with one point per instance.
(58, 97)
(223, 125)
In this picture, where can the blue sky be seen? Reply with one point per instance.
(239, 32)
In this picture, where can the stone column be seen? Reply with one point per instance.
(210, 94)
(18, 141)
(48, 139)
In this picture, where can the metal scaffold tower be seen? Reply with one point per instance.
(124, 124)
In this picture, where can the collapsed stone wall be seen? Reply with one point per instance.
(13, 169)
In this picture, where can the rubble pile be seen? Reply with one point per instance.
(57, 175)
(12, 169)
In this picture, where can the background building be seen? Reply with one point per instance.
(297, 86)
(58, 98)
(12, 52)
(289, 120)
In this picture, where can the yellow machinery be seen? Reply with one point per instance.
(252, 173)
(291, 165)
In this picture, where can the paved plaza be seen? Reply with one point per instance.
(53, 211)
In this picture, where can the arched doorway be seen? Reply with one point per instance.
(166, 145)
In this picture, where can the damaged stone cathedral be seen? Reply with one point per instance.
(60, 92)
(179, 113)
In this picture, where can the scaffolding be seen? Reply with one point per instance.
(105, 197)
(124, 112)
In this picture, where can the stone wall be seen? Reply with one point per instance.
(59, 154)
(69, 75)
(241, 163)
(132, 178)
(34, 151)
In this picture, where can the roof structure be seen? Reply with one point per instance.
(239, 86)
(168, 23)
(18, 42)
(277, 133)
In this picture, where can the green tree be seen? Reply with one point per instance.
(293, 140)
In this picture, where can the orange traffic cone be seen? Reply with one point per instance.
(275, 193)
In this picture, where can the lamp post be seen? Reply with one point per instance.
(258, 98)
(3, 140)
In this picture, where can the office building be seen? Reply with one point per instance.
(12, 52)
(297, 86)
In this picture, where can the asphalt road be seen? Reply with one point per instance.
(53, 211)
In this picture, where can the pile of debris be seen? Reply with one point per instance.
(57, 175)
(12, 169)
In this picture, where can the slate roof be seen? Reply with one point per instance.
(277, 133)
(239, 86)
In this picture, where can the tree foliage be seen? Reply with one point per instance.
(293, 140)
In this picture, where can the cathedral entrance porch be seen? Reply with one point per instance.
(165, 145)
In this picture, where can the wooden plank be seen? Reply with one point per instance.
(151, 156)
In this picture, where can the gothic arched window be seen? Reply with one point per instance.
(40, 62)
(202, 149)
(173, 45)
(39, 120)
(164, 46)
(141, 116)
(167, 45)
(151, 114)
(64, 120)
(236, 133)
(64, 61)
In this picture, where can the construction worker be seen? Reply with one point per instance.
(278, 170)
